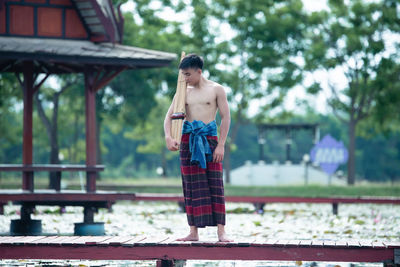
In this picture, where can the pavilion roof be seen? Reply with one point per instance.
(100, 18)
(68, 56)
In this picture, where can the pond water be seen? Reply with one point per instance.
(280, 221)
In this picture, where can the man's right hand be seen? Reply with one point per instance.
(172, 144)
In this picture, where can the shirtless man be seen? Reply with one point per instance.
(201, 172)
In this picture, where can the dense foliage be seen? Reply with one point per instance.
(261, 51)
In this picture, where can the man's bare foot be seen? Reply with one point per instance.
(224, 238)
(190, 237)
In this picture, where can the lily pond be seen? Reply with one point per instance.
(368, 222)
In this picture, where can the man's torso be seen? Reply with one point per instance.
(201, 103)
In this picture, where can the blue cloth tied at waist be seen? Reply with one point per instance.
(198, 144)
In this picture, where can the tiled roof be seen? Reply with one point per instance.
(100, 19)
(75, 53)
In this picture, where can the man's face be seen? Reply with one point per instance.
(192, 76)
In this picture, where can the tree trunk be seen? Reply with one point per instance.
(54, 149)
(74, 145)
(52, 132)
(351, 165)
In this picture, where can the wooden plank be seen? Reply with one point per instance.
(271, 241)
(240, 242)
(72, 240)
(378, 244)
(151, 240)
(116, 240)
(174, 242)
(207, 243)
(46, 240)
(29, 240)
(329, 243)
(166, 241)
(305, 243)
(317, 243)
(341, 243)
(281, 242)
(293, 243)
(5, 238)
(94, 240)
(50, 167)
(392, 244)
(365, 243)
(11, 239)
(259, 199)
(353, 243)
(60, 239)
(259, 240)
(270, 253)
(133, 242)
(264, 242)
(58, 197)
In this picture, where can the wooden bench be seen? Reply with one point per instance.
(166, 250)
(28, 198)
(29, 170)
(259, 202)
(90, 201)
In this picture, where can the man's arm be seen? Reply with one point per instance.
(224, 112)
(172, 144)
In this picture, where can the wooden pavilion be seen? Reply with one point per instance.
(57, 37)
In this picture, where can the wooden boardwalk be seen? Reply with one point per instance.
(166, 249)
(272, 199)
(106, 199)
(260, 201)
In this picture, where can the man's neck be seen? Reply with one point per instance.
(200, 83)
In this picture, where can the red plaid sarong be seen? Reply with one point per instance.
(203, 189)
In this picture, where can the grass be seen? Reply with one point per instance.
(315, 190)
(174, 185)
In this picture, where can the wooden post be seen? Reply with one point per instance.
(165, 263)
(2, 208)
(57, 182)
(27, 141)
(335, 207)
(88, 214)
(182, 207)
(259, 207)
(91, 153)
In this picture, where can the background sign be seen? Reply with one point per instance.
(329, 154)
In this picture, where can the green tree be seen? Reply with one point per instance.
(152, 133)
(10, 118)
(51, 97)
(350, 38)
(256, 61)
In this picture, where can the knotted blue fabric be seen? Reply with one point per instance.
(198, 144)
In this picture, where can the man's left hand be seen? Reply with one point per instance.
(218, 155)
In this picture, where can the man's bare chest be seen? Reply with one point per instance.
(200, 97)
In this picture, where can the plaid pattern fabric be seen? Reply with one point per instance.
(203, 189)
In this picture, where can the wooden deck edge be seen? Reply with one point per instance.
(153, 252)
